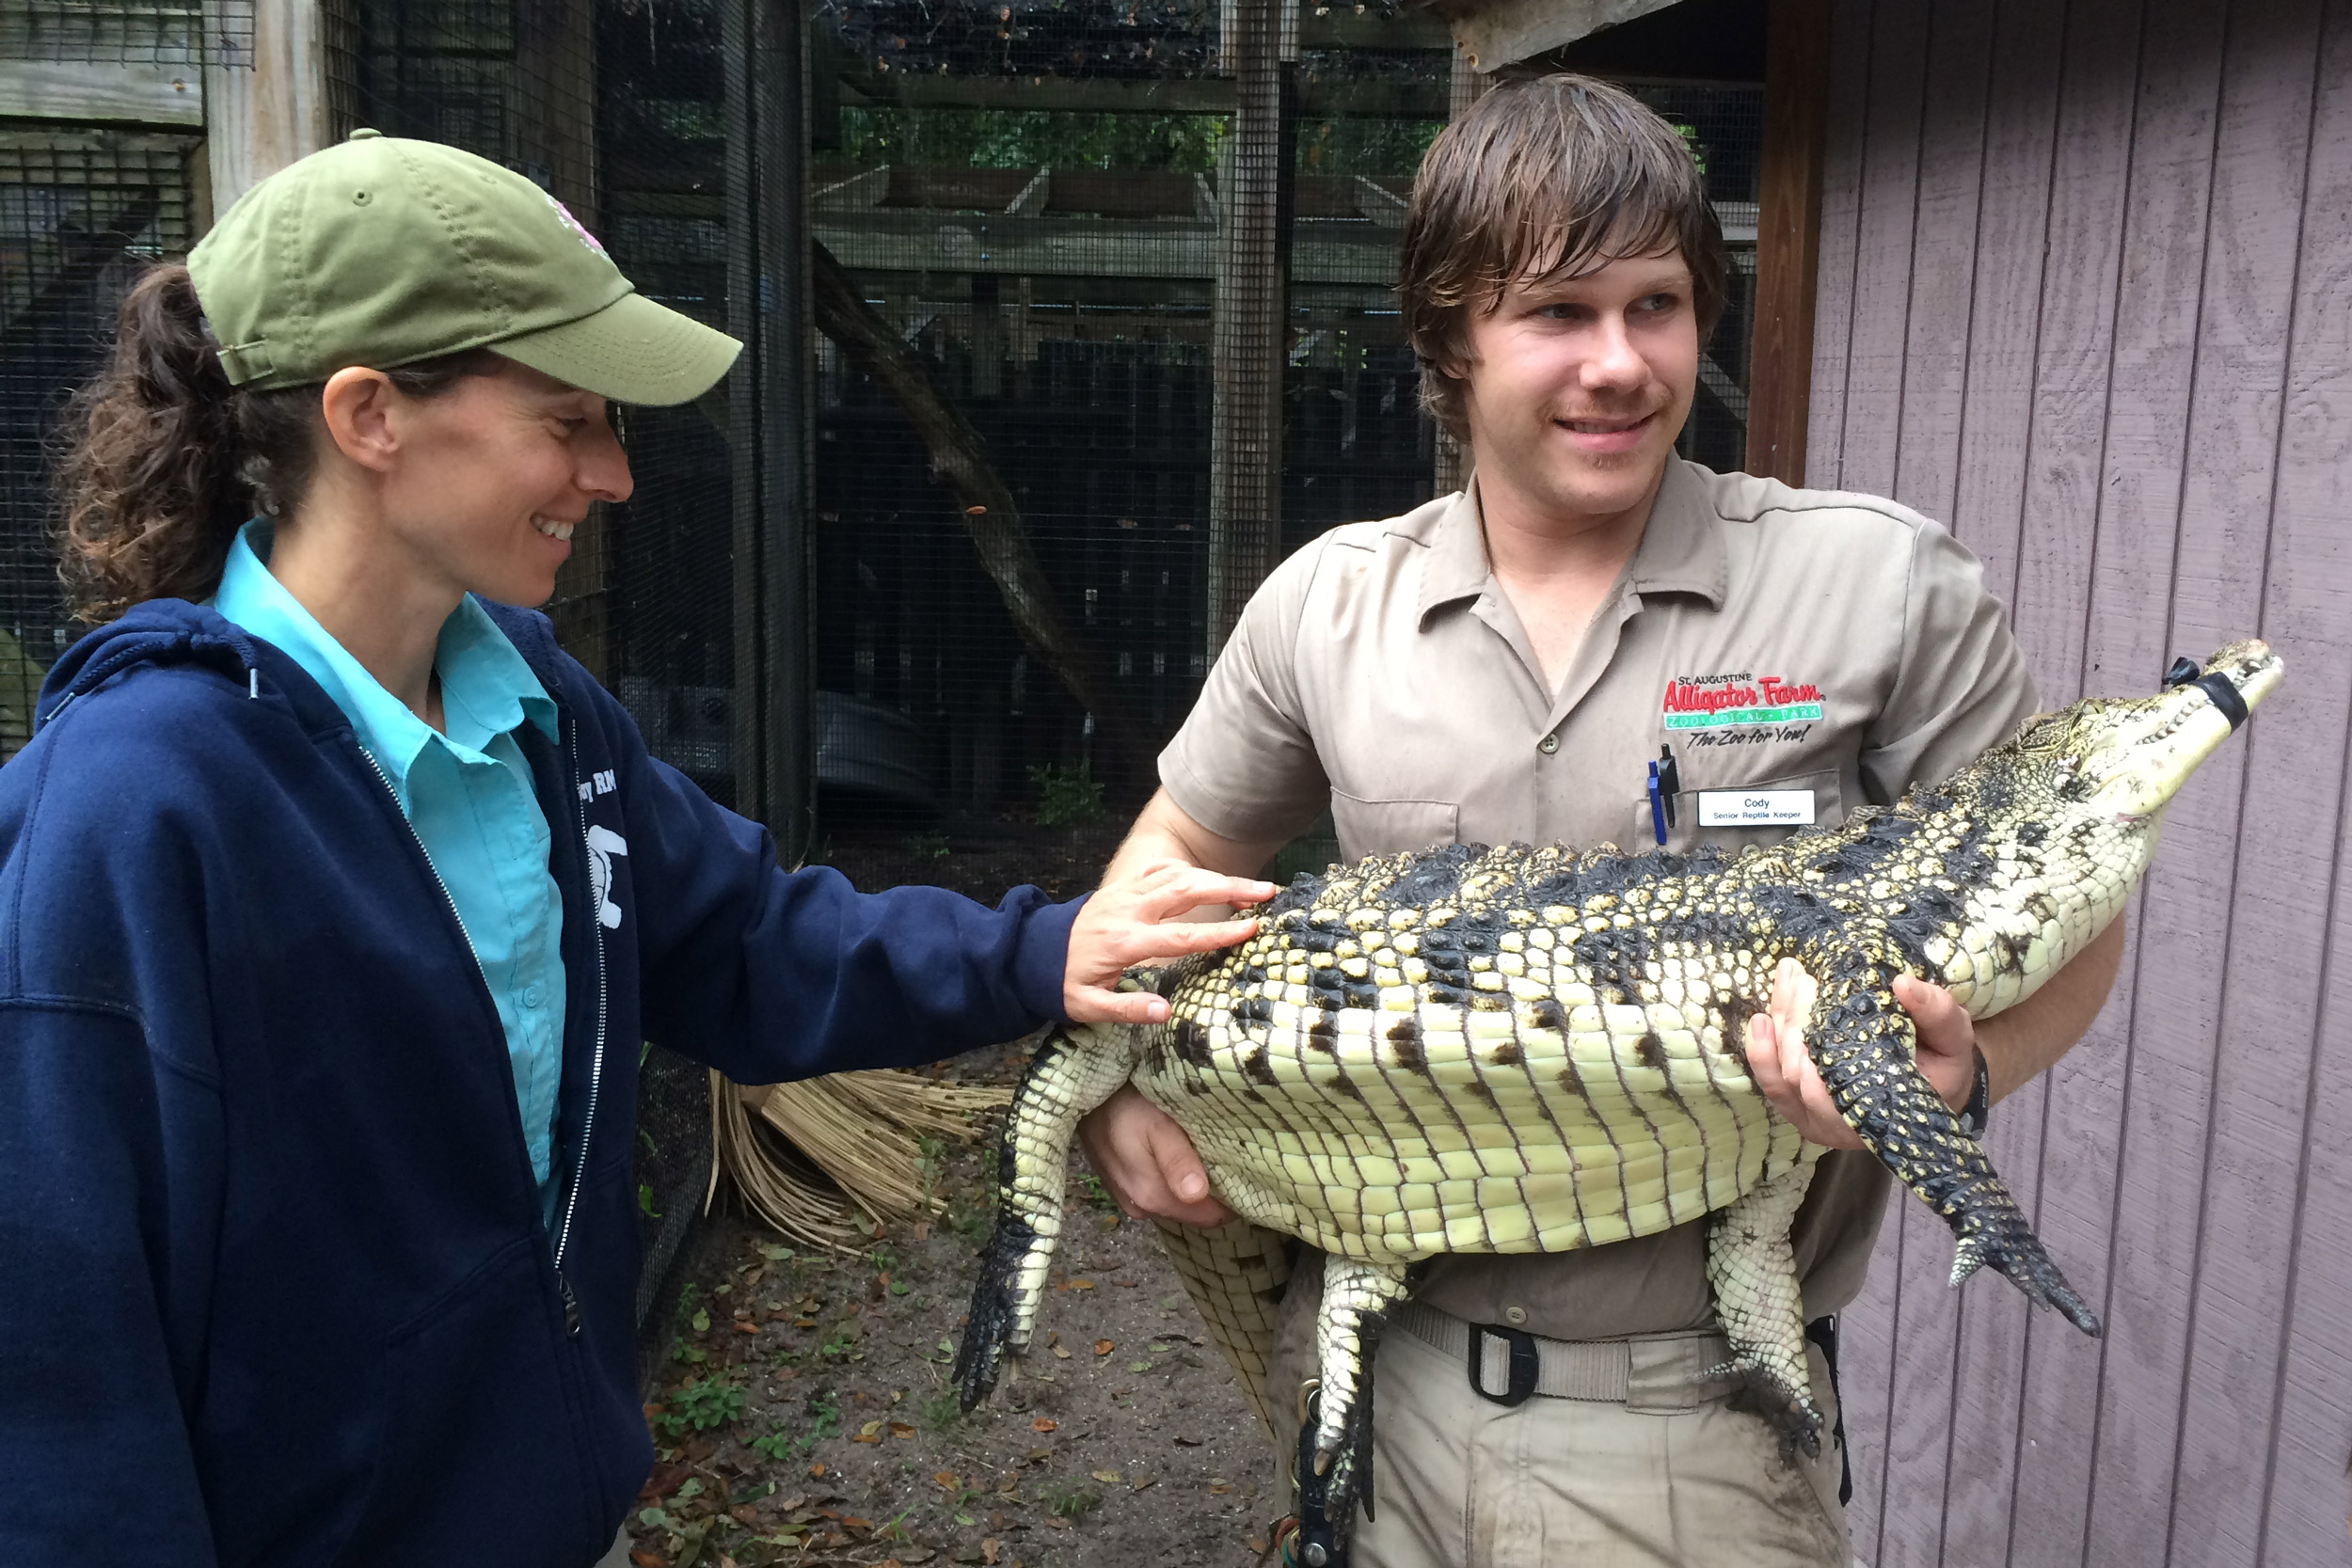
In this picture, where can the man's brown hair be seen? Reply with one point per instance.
(1543, 180)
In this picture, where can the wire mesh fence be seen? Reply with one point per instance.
(1102, 321)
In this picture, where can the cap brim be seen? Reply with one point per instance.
(631, 351)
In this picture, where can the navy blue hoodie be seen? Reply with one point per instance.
(274, 1284)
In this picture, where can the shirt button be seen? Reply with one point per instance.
(1515, 1315)
(1549, 744)
(532, 996)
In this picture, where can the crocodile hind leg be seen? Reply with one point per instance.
(1865, 1045)
(1751, 1269)
(1357, 1300)
(1073, 1072)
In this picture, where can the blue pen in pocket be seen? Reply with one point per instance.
(1657, 805)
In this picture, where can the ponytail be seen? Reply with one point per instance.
(169, 460)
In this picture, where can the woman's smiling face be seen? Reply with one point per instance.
(493, 477)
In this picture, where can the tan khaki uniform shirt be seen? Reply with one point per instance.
(1788, 640)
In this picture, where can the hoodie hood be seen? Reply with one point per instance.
(166, 632)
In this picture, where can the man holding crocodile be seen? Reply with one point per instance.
(1595, 642)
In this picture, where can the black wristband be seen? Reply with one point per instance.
(1979, 1099)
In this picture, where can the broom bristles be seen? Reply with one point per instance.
(819, 1151)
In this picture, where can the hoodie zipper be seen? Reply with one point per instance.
(596, 1062)
(563, 1285)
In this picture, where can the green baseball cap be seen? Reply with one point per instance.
(383, 251)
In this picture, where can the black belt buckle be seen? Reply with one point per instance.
(1525, 1363)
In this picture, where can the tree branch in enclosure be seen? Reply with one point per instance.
(959, 462)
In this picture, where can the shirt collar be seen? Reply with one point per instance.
(1681, 551)
(486, 687)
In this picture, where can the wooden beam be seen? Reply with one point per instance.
(1495, 33)
(1788, 223)
(1252, 315)
(1200, 95)
(137, 92)
(266, 101)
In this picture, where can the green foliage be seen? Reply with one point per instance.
(773, 1444)
(645, 1202)
(1364, 144)
(1030, 138)
(942, 1411)
(700, 1404)
(1098, 1195)
(928, 847)
(1066, 797)
(1071, 1499)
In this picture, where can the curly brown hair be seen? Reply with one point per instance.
(166, 459)
(1549, 178)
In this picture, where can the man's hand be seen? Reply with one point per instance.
(1148, 1163)
(1128, 921)
(1783, 1068)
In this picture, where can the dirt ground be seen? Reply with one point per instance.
(804, 1413)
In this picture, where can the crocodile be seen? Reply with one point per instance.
(1520, 1049)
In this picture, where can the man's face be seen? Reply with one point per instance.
(1576, 389)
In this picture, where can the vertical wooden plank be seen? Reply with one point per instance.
(2136, 521)
(265, 100)
(1841, 211)
(1789, 224)
(1950, 88)
(2306, 1494)
(2012, 213)
(1253, 320)
(2293, 776)
(1888, 180)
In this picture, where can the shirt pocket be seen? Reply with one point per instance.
(1391, 827)
(1687, 833)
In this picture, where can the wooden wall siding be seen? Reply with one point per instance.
(2086, 293)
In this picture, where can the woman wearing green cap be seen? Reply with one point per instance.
(334, 900)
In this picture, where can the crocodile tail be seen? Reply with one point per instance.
(995, 1309)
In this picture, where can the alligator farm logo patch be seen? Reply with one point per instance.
(1722, 702)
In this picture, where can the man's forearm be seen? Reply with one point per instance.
(2029, 1037)
(1162, 832)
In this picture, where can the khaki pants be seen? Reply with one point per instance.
(1673, 1478)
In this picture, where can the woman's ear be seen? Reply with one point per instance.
(356, 406)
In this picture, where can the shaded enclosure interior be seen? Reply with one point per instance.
(1145, 268)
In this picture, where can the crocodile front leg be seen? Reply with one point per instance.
(1863, 1043)
(1751, 1269)
(1073, 1072)
(1357, 1300)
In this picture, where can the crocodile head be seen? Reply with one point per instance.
(2124, 757)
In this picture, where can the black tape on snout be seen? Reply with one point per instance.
(2217, 687)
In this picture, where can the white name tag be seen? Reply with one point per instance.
(1755, 808)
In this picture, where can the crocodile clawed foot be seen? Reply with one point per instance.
(993, 1324)
(1790, 1411)
(2015, 1251)
(1334, 1477)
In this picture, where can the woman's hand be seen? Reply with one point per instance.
(1784, 1069)
(1131, 919)
(1147, 1162)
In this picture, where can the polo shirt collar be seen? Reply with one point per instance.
(1681, 551)
(486, 687)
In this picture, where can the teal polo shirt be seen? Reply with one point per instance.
(468, 793)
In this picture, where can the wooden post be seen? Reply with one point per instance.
(1451, 470)
(265, 100)
(1254, 180)
(552, 109)
(767, 405)
(1787, 237)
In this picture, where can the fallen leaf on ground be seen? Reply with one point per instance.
(853, 1522)
(1041, 1424)
(1109, 1478)
(1103, 1347)
(946, 1479)
(1060, 1354)
(1082, 1284)
(644, 1558)
(899, 1429)
(988, 1548)
(818, 1468)
(746, 1328)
